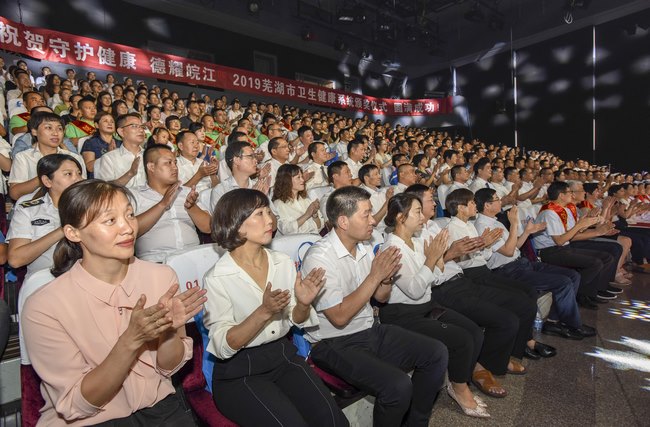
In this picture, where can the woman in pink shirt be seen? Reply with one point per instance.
(106, 335)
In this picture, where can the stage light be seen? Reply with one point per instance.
(352, 14)
(253, 7)
(559, 86)
(563, 54)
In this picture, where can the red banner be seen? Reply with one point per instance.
(55, 46)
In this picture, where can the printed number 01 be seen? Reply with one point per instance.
(191, 284)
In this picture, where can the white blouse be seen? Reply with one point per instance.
(289, 212)
(414, 280)
(233, 295)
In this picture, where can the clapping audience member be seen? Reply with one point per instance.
(194, 171)
(101, 355)
(254, 298)
(100, 143)
(297, 213)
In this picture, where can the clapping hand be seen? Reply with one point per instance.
(274, 301)
(306, 289)
(490, 237)
(183, 307)
(147, 324)
(386, 264)
(532, 227)
(170, 196)
(263, 184)
(462, 247)
(192, 197)
(435, 247)
(513, 215)
(307, 175)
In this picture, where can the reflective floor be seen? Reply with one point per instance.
(600, 381)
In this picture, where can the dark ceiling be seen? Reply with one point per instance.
(414, 37)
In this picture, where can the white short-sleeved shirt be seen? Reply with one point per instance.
(414, 280)
(344, 273)
(24, 164)
(233, 296)
(320, 175)
(187, 169)
(442, 194)
(275, 165)
(399, 188)
(525, 188)
(117, 162)
(223, 187)
(451, 267)
(459, 229)
(289, 212)
(32, 220)
(554, 227)
(323, 202)
(496, 260)
(479, 183)
(174, 231)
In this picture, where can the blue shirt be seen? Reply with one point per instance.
(98, 146)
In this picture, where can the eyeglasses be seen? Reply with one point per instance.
(246, 155)
(134, 126)
(494, 200)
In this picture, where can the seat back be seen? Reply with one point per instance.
(30, 285)
(192, 264)
(294, 245)
(96, 166)
(317, 192)
(80, 143)
(31, 400)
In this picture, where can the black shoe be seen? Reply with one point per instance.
(614, 290)
(597, 300)
(544, 350)
(561, 330)
(585, 302)
(605, 295)
(531, 354)
(586, 331)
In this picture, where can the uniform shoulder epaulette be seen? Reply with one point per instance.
(31, 203)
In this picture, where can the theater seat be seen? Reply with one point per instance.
(193, 383)
(294, 245)
(31, 400)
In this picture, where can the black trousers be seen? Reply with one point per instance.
(523, 293)
(462, 337)
(490, 308)
(376, 360)
(169, 412)
(590, 264)
(611, 247)
(270, 385)
(5, 325)
(640, 243)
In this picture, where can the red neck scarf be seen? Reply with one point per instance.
(559, 210)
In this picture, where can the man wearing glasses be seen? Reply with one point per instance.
(124, 165)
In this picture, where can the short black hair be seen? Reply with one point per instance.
(482, 196)
(556, 188)
(148, 154)
(232, 209)
(313, 147)
(480, 164)
(39, 117)
(448, 154)
(344, 202)
(353, 144)
(590, 187)
(119, 122)
(274, 143)
(235, 149)
(459, 197)
(365, 171)
(455, 170)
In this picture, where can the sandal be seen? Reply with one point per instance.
(485, 381)
(518, 368)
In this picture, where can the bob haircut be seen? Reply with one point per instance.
(79, 205)
(282, 190)
(344, 202)
(232, 209)
(41, 117)
(460, 197)
(399, 204)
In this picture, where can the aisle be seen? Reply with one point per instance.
(574, 388)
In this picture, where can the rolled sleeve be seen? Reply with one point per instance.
(332, 293)
(187, 355)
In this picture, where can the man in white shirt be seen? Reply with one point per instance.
(553, 246)
(462, 207)
(192, 170)
(356, 151)
(459, 177)
(529, 188)
(124, 164)
(379, 197)
(482, 173)
(168, 213)
(406, 177)
(342, 146)
(349, 341)
(506, 260)
(316, 168)
(280, 151)
(339, 176)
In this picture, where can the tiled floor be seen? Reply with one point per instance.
(574, 388)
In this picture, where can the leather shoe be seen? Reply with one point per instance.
(614, 290)
(586, 302)
(544, 350)
(531, 354)
(587, 331)
(561, 330)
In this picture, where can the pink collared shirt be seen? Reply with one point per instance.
(71, 325)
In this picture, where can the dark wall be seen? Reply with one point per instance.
(555, 90)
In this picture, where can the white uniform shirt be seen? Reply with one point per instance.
(399, 188)
(442, 194)
(233, 296)
(554, 227)
(344, 273)
(320, 175)
(223, 187)
(414, 280)
(323, 202)
(496, 260)
(459, 229)
(187, 169)
(479, 183)
(115, 164)
(24, 164)
(289, 212)
(275, 165)
(525, 188)
(451, 267)
(32, 220)
(174, 231)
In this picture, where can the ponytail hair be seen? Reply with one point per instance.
(79, 205)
